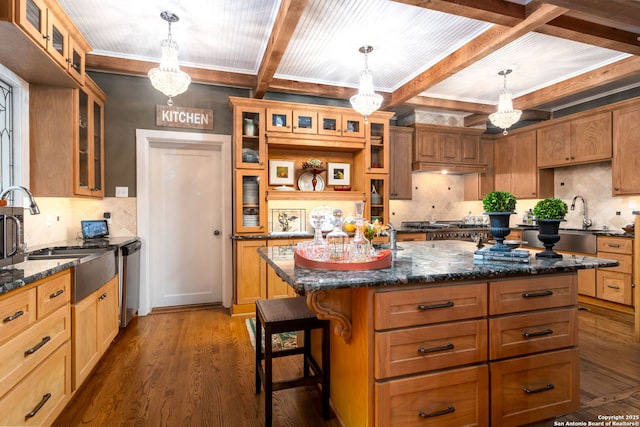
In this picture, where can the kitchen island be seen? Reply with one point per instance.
(441, 339)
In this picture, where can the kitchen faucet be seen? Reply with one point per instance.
(586, 222)
(392, 237)
(33, 206)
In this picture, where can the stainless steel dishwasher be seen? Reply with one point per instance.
(129, 271)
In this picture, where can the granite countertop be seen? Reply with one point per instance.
(18, 275)
(422, 262)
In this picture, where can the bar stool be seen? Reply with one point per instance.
(289, 315)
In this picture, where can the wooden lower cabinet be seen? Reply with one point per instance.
(95, 325)
(456, 397)
(533, 388)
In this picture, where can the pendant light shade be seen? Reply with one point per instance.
(167, 77)
(506, 116)
(366, 101)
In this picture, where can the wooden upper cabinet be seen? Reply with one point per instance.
(32, 18)
(279, 120)
(582, 140)
(439, 144)
(426, 146)
(626, 150)
(401, 140)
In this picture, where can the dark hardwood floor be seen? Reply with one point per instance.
(195, 368)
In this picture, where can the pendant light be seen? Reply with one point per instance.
(366, 101)
(167, 77)
(506, 116)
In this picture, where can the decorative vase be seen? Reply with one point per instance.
(249, 127)
(499, 229)
(549, 236)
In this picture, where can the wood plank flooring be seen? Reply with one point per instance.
(195, 368)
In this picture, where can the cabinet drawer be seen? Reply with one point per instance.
(614, 286)
(17, 312)
(535, 388)
(518, 335)
(408, 351)
(615, 244)
(411, 237)
(415, 307)
(54, 293)
(450, 398)
(48, 388)
(626, 262)
(24, 352)
(538, 293)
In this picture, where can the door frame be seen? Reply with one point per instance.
(147, 139)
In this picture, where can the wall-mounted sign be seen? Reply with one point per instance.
(182, 117)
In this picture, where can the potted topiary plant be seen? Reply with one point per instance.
(499, 206)
(549, 213)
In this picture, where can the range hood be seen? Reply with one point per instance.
(457, 169)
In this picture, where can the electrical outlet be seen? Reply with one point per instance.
(122, 191)
(107, 216)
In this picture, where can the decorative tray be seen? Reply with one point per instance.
(383, 260)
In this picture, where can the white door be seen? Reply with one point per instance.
(184, 217)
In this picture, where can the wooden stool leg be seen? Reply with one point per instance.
(258, 366)
(268, 377)
(307, 352)
(326, 364)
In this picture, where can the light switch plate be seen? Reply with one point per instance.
(122, 191)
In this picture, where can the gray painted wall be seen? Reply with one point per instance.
(131, 104)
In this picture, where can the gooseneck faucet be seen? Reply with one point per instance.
(33, 206)
(392, 237)
(586, 222)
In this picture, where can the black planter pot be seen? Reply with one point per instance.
(549, 236)
(499, 229)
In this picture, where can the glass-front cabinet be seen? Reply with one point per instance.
(89, 144)
(250, 206)
(377, 147)
(377, 198)
(250, 149)
(333, 124)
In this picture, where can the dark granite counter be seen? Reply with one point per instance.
(80, 243)
(422, 262)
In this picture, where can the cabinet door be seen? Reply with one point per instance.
(524, 172)
(250, 202)
(279, 120)
(587, 282)
(353, 125)
(107, 310)
(626, 150)
(426, 146)
(470, 149)
(276, 287)
(251, 272)
(329, 124)
(591, 138)
(305, 122)
(554, 145)
(97, 148)
(82, 154)
(377, 210)
(250, 150)
(32, 18)
(400, 143)
(377, 147)
(75, 60)
(58, 40)
(502, 165)
(89, 146)
(85, 342)
(449, 145)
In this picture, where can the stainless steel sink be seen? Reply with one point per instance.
(97, 266)
(572, 240)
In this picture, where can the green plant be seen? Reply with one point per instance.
(499, 201)
(550, 209)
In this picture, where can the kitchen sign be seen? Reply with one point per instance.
(182, 117)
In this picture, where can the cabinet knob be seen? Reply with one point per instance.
(103, 296)
(46, 37)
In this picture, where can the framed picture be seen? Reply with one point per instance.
(287, 221)
(281, 172)
(339, 173)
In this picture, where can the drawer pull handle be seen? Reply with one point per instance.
(450, 409)
(37, 346)
(537, 334)
(423, 307)
(538, 390)
(103, 296)
(423, 350)
(613, 287)
(14, 316)
(56, 293)
(536, 294)
(613, 245)
(38, 407)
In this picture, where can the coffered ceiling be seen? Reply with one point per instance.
(428, 54)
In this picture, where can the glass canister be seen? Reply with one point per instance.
(337, 239)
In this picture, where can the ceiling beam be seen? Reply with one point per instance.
(109, 64)
(495, 11)
(618, 70)
(283, 29)
(483, 45)
(315, 89)
(447, 104)
(625, 11)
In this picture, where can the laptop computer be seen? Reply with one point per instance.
(94, 229)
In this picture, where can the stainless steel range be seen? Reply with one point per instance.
(449, 230)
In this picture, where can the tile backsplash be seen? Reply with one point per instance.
(59, 218)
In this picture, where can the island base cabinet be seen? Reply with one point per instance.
(448, 398)
(535, 388)
(39, 398)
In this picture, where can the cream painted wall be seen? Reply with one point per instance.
(60, 218)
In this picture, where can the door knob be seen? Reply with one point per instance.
(216, 232)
